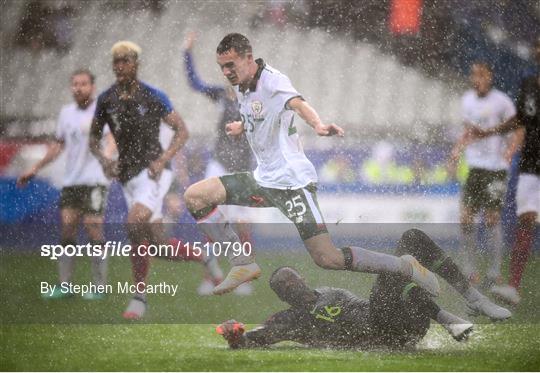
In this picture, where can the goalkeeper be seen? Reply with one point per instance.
(397, 315)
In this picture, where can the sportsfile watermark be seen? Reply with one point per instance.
(117, 248)
(104, 278)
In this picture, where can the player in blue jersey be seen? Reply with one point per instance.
(133, 110)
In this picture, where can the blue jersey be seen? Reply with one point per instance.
(233, 152)
(134, 123)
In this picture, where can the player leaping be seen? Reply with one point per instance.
(284, 177)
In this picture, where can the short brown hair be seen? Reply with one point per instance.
(84, 71)
(235, 41)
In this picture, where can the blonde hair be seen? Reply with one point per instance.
(126, 48)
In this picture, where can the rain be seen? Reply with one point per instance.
(359, 146)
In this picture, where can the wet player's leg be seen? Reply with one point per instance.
(472, 199)
(93, 219)
(70, 226)
(495, 190)
(528, 207)
(301, 207)
(141, 194)
(158, 232)
(202, 199)
(418, 244)
(401, 311)
(70, 215)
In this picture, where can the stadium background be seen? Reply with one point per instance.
(391, 78)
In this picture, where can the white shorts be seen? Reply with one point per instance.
(528, 194)
(234, 214)
(149, 193)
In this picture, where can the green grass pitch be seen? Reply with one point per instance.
(178, 332)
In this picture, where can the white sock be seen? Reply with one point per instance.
(218, 229)
(99, 270)
(447, 318)
(373, 262)
(472, 294)
(66, 265)
(495, 244)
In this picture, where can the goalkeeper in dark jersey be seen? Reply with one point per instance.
(397, 315)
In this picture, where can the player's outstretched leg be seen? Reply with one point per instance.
(417, 243)
(417, 301)
(202, 200)
(356, 259)
(460, 329)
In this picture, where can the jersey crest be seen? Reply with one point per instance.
(256, 108)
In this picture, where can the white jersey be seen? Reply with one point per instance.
(486, 112)
(73, 129)
(271, 131)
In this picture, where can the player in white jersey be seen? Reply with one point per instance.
(284, 177)
(488, 160)
(84, 189)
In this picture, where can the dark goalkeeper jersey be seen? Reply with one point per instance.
(528, 113)
(341, 319)
(134, 124)
(338, 318)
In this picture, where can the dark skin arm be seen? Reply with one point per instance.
(110, 167)
(181, 135)
(279, 327)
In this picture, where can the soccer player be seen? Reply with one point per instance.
(230, 154)
(134, 110)
(284, 177)
(527, 122)
(84, 189)
(397, 314)
(485, 187)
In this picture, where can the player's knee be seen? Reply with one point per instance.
(413, 236)
(492, 219)
(194, 198)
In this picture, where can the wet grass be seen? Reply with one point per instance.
(178, 333)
